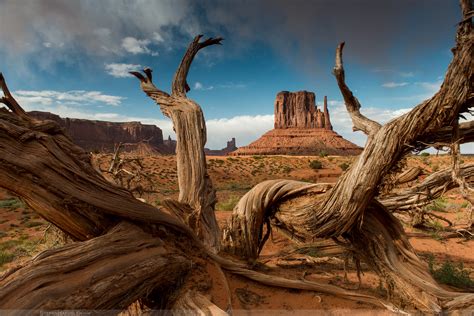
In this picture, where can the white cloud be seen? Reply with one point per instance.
(121, 70)
(74, 97)
(158, 37)
(135, 46)
(230, 85)
(245, 128)
(342, 122)
(93, 28)
(394, 84)
(201, 87)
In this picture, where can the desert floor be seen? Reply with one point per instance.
(23, 234)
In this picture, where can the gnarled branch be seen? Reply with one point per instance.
(195, 186)
(360, 122)
(180, 85)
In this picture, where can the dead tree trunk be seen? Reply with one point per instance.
(349, 210)
(40, 164)
(195, 187)
(97, 272)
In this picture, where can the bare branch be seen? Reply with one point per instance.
(180, 85)
(464, 188)
(160, 97)
(466, 7)
(423, 193)
(361, 123)
(9, 100)
(443, 136)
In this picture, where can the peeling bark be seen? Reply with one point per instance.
(195, 186)
(118, 263)
(349, 210)
(107, 272)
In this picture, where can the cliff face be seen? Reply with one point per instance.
(102, 135)
(299, 110)
(300, 129)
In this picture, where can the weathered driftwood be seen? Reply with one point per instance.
(95, 274)
(349, 210)
(56, 179)
(408, 175)
(195, 187)
(429, 189)
(40, 164)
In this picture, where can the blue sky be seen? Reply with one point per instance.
(72, 57)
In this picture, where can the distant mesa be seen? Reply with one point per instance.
(224, 151)
(300, 129)
(102, 136)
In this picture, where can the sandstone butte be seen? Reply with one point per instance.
(300, 129)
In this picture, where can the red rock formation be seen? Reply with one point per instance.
(299, 110)
(327, 120)
(299, 141)
(300, 129)
(102, 135)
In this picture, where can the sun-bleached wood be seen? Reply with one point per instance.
(195, 186)
(40, 164)
(96, 274)
(349, 210)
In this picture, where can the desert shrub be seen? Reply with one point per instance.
(257, 157)
(451, 274)
(6, 257)
(230, 159)
(315, 165)
(229, 204)
(438, 205)
(344, 166)
(323, 153)
(33, 224)
(9, 244)
(435, 168)
(424, 154)
(286, 169)
(235, 186)
(11, 203)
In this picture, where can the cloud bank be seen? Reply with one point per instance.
(50, 31)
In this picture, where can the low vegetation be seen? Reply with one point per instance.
(229, 204)
(451, 274)
(316, 164)
(344, 166)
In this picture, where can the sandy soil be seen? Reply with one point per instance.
(23, 234)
